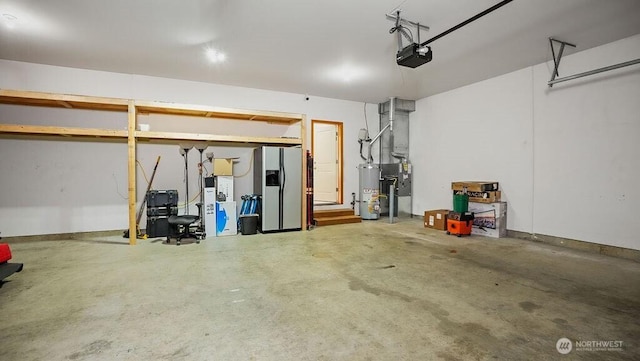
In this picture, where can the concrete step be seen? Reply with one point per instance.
(329, 221)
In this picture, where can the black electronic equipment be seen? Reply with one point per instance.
(414, 55)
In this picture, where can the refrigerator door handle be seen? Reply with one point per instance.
(281, 200)
(284, 176)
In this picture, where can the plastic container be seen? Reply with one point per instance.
(459, 228)
(460, 203)
(248, 224)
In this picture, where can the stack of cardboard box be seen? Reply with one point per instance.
(478, 192)
(489, 213)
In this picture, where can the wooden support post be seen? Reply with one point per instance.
(303, 137)
(131, 144)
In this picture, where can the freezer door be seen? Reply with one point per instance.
(292, 188)
(271, 181)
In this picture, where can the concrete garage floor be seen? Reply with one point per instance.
(369, 291)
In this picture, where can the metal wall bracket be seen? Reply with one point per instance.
(556, 61)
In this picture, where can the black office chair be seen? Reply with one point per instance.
(179, 228)
(179, 225)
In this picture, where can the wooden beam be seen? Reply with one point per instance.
(61, 131)
(18, 97)
(131, 145)
(216, 112)
(65, 104)
(216, 138)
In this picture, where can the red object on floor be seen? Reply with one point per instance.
(5, 252)
(459, 228)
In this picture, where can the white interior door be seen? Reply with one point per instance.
(325, 159)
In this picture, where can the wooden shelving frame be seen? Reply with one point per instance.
(132, 136)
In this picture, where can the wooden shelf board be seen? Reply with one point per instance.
(214, 138)
(16, 97)
(61, 131)
(153, 107)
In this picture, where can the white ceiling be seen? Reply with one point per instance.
(306, 47)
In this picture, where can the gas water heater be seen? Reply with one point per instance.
(369, 188)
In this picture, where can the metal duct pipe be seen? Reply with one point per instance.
(392, 201)
(392, 114)
(392, 111)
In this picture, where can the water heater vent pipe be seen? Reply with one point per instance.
(392, 109)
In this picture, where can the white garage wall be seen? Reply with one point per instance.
(58, 186)
(481, 131)
(587, 148)
(566, 157)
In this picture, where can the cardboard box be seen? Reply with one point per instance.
(223, 166)
(490, 219)
(226, 219)
(475, 186)
(436, 219)
(224, 185)
(482, 197)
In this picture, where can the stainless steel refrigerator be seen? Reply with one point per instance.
(278, 179)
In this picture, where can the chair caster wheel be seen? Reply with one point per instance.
(167, 240)
(459, 235)
(448, 232)
(177, 243)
